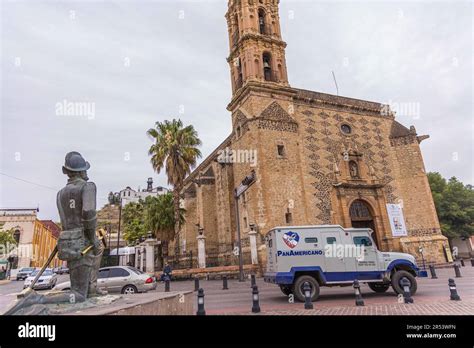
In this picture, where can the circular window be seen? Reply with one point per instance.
(346, 129)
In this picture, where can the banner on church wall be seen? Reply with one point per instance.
(397, 221)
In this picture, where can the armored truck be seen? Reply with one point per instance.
(330, 255)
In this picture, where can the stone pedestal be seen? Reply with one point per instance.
(253, 247)
(150, 255)
(201, 251)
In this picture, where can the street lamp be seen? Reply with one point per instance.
(244, 186)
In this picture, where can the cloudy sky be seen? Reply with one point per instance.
(138, 62)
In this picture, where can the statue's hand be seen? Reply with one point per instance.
(97, 246)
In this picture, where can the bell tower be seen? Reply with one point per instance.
(257, 51)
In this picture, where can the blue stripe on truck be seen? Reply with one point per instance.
(288, 277)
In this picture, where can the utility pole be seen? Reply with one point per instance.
(244, 186)
(118, 233)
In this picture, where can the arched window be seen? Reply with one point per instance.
(267, 66)
(360, 211)
(16, 236)
(262, 22)
(354, 170)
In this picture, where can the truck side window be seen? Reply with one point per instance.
(331, 240)
(311, 240)
(365, 241)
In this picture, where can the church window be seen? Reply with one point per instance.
(288, 218)
(238, 131)
(346, 129)
(245, 222)
(281, 150)
(262, 22)
(267, 66)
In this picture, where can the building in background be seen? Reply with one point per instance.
(129, 195)
(318, 159)
(36, 238)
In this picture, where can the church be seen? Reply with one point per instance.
(317, 159)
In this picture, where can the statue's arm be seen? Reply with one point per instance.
(89, 218)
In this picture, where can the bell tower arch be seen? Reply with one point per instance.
(257, 51)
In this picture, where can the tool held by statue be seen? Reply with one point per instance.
(102, 234)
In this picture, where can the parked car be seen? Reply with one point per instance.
(123, 279)
(24, 273)
(47, 280)
(61, 270)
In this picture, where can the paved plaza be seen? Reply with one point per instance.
(432, 297)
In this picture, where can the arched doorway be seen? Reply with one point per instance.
(361, 217)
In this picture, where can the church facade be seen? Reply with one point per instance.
(318, 159)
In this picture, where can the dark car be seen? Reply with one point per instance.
(24, 273)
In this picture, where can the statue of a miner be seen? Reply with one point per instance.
(77, 210)
(77, 244)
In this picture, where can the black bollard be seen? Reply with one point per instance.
(167, 285)
(472, 262)
(433, 272)
(457, 271)
(462, 263)
(307, 296)
(196, 284)
(253, 282)
(453, 290)
(406, 291)
(255, 300)
(224, 283)
(359, 300)
(200, 297)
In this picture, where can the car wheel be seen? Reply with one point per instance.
(397, 282)
(286, 290)
(379, 287)
(298, 288)
(129, 289)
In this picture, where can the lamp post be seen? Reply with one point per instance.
(119, 225)
(244, 186)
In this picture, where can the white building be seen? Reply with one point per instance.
(129, 195)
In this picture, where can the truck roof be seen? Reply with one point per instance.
(350, 229)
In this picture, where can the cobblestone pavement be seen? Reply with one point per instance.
(438, 308)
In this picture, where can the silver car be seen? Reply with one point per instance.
(123, 279)
(47, 280)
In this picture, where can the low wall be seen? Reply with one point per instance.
(162, 303)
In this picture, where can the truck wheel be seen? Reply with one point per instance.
(298, 288)
(397, 282)
(379, 287)
(286, 289)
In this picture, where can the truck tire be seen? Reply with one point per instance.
(379, 287)
(298, 288)
(397, 278)
(286, 290)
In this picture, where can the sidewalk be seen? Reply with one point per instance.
(5, 281)
(437, 308)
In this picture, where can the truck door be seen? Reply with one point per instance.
(367, 264)
(334, 261)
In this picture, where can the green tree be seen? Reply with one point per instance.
(6, 237)
(175, 149)
(454, 203)
(160, 217)
(133, 220)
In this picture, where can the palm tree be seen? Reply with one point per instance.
(175, 148)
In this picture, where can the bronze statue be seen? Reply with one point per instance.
(77, 243)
